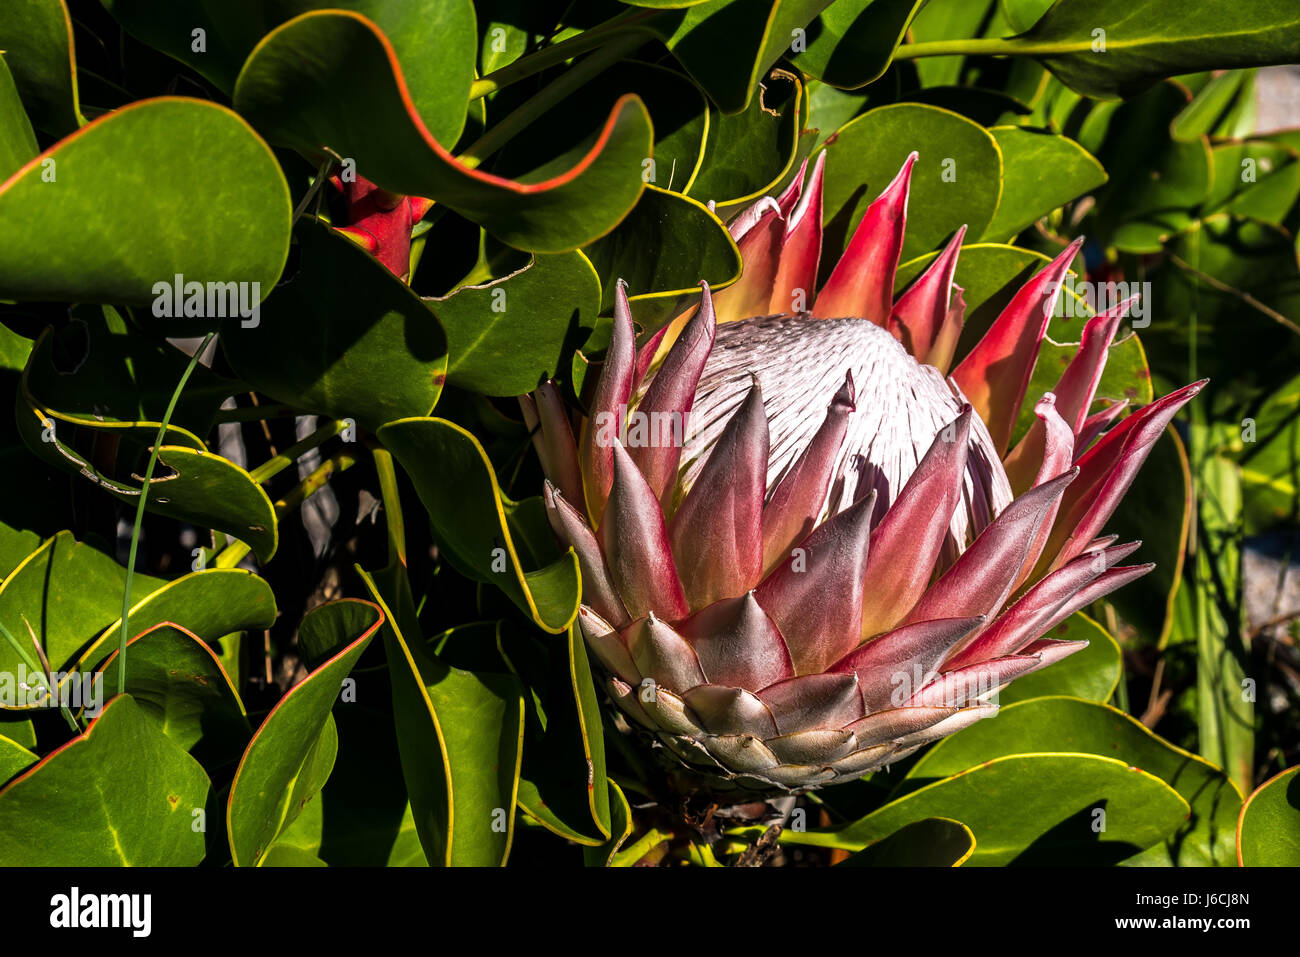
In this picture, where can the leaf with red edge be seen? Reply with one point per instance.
(291, 754)
(1268, 830)
(331, 79)
(439, 84)
(125, 209)
(36, 37)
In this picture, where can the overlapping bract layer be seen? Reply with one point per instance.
(784, 600)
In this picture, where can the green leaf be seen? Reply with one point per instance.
(1209, 104)
(1226, 282)
(178, 682)
(957, 179)
(852, 42)
(127, 385)
(563, 782)
(505, 336)
(1146, 40)
(125, 209)
(438, 85)
(748, 153)
(1156, 510)
(14, 758)
(1023, 14)
(1256, 178)
(460, 735)
(193, 485)
(1092, 673)
(1268, 834)
(727, 45)
(947, 20)
(932, 842)
(68, 592)
(1042, 172)
(1032, 810)
(291, 754)
(678, 111)
(17, 140)
(351, 101)
(17, 729)
(1224, 702)
(1153, 191)
(664, 247)
(36, 36)
(1071, 724)
(1270, 461)
(343, 324)
(122, 793)
(366, 818)
(620, 830)
(483, 533)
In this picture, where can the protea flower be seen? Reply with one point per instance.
(806, 546)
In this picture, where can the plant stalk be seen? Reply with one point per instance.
(234, 553)
(553, 93)
(274, 466)
(140, 504)
(561, 52)
(391, 497)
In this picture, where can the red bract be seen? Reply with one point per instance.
(816, 552)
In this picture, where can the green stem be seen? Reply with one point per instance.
(701, 855)
(643, 846)
(139, 507)
(561, 52)
(234, 553)
(987, 46)
(552, 94)
(274, 466)
(392, 505)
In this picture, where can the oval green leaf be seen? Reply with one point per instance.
(119, 207)
(121, 794)
(1268, 833)
(1207, 839)
(292, 753)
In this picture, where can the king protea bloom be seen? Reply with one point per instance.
(807, 545)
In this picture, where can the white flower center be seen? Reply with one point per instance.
(901, 407)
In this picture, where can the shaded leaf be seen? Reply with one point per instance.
(178, 682)
(351, 100)
(292, 752)
(506, 336)
(341, 325)
(484, 534)
(933, 842)
(459, 734)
